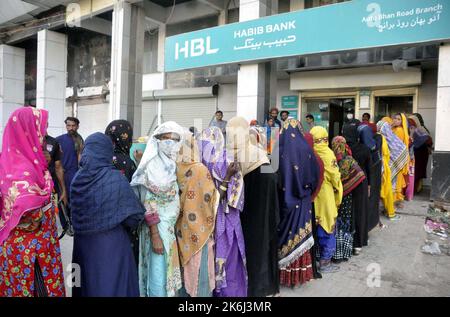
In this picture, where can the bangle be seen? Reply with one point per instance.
(223, 188)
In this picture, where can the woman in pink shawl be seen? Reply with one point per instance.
(30, 258)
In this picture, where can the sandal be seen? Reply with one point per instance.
(400, 204)
(395, 218)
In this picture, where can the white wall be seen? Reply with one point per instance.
(284, 90)
(12, 82)
(227, 100)
(93, 118)
(427, 99)
(153, 81)
(149, 112)
(51, 78)
(378, 76)
(427, 107)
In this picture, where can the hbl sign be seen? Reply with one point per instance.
(350, 25)
(194, 48)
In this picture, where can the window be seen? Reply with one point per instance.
(192, 25)
(233, 15)
(318, 3)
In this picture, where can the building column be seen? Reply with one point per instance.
(126, 63)
(296, 5)
(223, 17)
(254, 83)
(161, 47)
(440, 183)
(12, 82)
(52, 78)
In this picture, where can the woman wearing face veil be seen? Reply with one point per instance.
(195, 226)
(315, 249)
(121, 134)
(327, 201)
(155, 182)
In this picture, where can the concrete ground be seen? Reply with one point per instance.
(395, 252)
(66, 244)
(404, 269)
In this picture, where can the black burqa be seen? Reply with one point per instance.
(361, 154)
(375, 185)
(121, 134)
(260, 219)
(373, 141)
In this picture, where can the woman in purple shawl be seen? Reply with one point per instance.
(231, 273)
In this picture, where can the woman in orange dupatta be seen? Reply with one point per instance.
(400, 129)
(199, 200)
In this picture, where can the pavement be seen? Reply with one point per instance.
(395, 253)
(392, 265)
(66, 244)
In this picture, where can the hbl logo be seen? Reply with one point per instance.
(195, 48)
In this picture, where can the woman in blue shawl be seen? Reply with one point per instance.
(103, 207)
(300, 173)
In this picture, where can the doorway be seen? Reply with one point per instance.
(386, 106)
(330, 113)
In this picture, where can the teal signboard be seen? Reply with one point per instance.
(356, 24)
(289, 102)
(293, 114)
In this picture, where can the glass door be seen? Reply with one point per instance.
(330, 113)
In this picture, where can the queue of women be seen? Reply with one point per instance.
(202, 215)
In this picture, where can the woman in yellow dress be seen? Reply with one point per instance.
(396, 154)
(327, 201)
(387, 195)
(400, 129)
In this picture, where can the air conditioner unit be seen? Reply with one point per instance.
(326, 60)
(348, 58)
(363, 57)
(410, 53)
(391, 53)
(313, 61)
